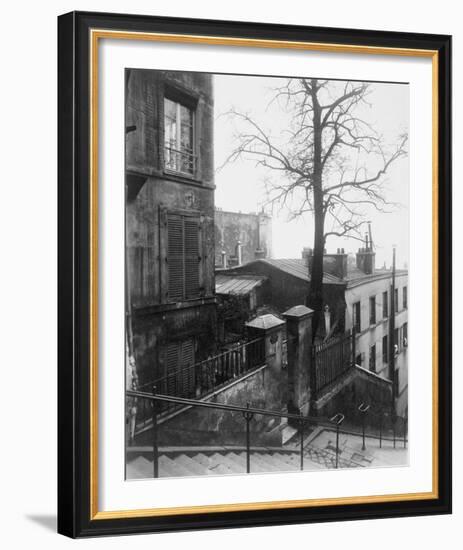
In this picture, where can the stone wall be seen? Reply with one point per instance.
(357, 386)
(203, 426)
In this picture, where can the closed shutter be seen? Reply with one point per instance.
(179, 379)
(172, 362)
(187, 368)
(183, 257)
(175, 256)
(191, 232)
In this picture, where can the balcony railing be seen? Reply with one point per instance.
(200, 379)
(183, 162)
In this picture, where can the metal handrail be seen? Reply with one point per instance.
(249, 412)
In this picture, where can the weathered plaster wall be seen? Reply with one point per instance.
(356, 387)
(200, 426)
(254, 231)
(151, 193)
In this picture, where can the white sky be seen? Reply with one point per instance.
(240, 184)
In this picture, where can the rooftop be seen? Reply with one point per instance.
(297, 267)
(237, 284)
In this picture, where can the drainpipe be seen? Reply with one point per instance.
(391, 334)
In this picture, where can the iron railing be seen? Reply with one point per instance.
(331, 360)
(183, 161)
(248, 413)
(200, 379)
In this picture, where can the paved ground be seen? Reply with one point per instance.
(351, 453)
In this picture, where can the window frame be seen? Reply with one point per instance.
(385, 304)
(372, 311)
(357, 324)
(181, 99)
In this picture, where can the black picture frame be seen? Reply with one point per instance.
(74, 216)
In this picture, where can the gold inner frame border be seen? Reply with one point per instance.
(95, 36)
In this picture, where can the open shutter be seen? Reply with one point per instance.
(191, 232)
(175, 257)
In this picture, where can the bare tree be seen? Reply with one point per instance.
(331, 162)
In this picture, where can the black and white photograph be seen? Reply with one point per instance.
(266, 252)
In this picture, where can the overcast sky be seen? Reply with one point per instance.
(240, 185)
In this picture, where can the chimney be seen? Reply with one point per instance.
(238, 253)
(224, 259)
(366, 256)
(335, 264)
(307, 254)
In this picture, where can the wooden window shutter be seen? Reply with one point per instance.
(172, 363)
(187, 367)
(191, 232)
(175, 257)
(183, 259)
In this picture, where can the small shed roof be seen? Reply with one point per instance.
(237, 284)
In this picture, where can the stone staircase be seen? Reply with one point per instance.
(180, 462)
(319, 454)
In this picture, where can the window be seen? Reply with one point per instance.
(405, 297)
(385, 307)
(178, 137)
(357, 321)
(396, 300)
(372, 310)
(358, 359)
(396, 340)
(183, 257)
(405, 335)
(179, 364)
(385, 350)
(373, 358)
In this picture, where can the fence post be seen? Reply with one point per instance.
(363, 411)
(270, 329)
(248, 417)
(155, 436)
(299, 354)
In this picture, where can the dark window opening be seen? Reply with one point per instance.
(385, 349)
(372, 310)
(385, 308)
(405, 297)
(357, 320)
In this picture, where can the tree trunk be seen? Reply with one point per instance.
(316, 276)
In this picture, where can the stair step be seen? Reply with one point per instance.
(195, 467)
(273, 462)
(221, 459)
(140, 468)
(169, 468)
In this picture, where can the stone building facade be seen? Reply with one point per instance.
(171, 309)
(241, 237)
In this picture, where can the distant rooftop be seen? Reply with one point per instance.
(298, 268)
